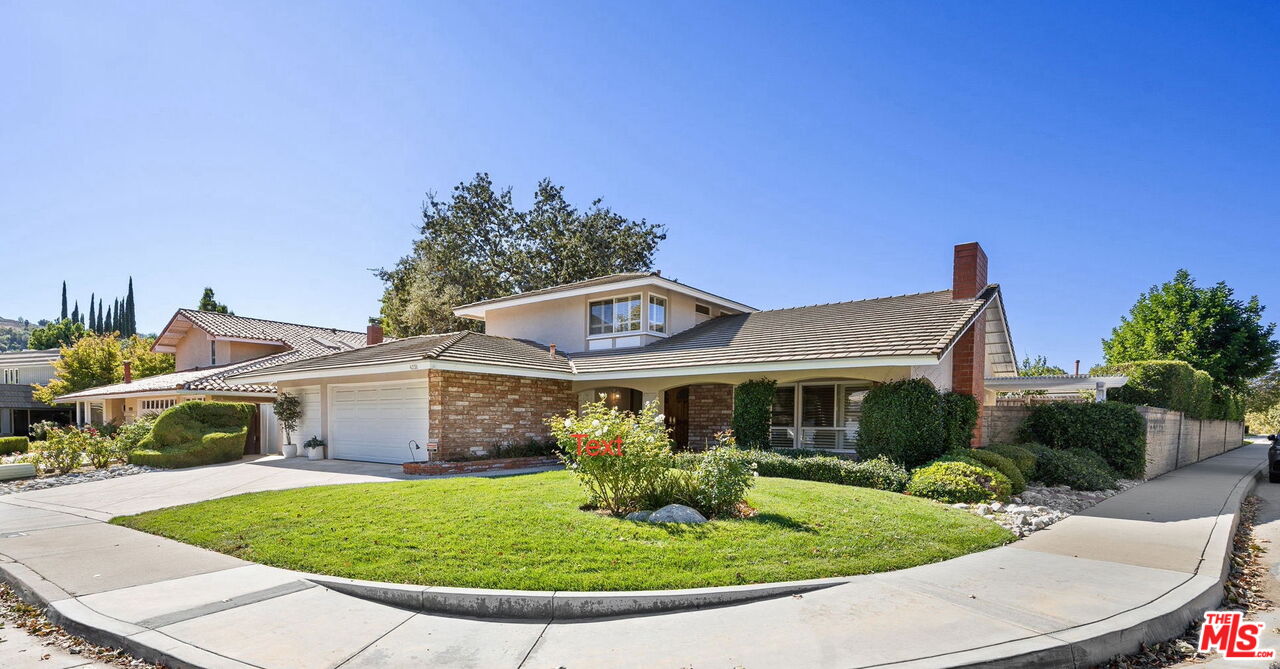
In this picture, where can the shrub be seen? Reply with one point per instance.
(1011, 471)
(40, 431)
(676, 486)
(903, 421)
(808, 453)
(959, 417)
(614, 482)
(65, 448)
(1169, 384)
(879, 473)
(752, 409)
(195, 433)
(11, 445)
(132, 433)
(1021, 456)
(956, 482)
(722, 477)
(1076, 468)
(1225, 405)
(1113, 430)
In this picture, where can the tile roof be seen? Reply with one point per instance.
(906, 325)
(304, 341)
(587, 283)
(470, 347)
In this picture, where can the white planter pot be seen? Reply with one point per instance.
(315, 453)
(289, 450)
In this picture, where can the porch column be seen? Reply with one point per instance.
(79, 413)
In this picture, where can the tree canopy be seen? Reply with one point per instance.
(1207, 328)
(98, 360)
(1039, 366)
(54, 335)
(478, 245)
(208, 303)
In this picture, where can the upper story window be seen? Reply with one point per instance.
(213, 353)
(657, 314)
(616, 314)
(11, 376)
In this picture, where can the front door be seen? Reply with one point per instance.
(676, 408)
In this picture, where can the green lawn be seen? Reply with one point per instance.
(527, 533)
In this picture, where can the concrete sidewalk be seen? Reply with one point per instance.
(1137, 567)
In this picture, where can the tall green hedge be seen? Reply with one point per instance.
(195, 433)
(1169, 384)
(752, 407)
(903, 421)
(1114, 430)
(959, 417)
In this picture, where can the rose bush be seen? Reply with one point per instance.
(615, 482)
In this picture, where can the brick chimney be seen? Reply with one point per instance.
(373, 335)
(552, 350)
(969, 355)
(128, 371)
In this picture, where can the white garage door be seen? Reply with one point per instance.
(309, 424)
(375, 422)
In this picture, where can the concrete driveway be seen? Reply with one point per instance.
(103, 500)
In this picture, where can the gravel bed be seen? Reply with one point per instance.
(1040, 506)
(24, 485)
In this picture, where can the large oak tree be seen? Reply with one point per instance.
(477, 245)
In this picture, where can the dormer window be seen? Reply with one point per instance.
(614, 315)
(657, 314)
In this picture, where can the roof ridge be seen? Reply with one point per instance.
(268, 320)
(444, 345)
(865, 299)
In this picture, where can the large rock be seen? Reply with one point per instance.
(677, 513)
(639, 516)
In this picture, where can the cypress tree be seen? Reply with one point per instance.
(110, 324)
(131, 317)
(102, 320)
(75, 313)
(93, 314)
(64, 301)
(115, 318)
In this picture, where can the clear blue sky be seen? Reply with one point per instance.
(798, 152)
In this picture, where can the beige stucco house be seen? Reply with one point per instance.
(209, 348)
(635, 338)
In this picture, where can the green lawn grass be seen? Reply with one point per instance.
(527, 533)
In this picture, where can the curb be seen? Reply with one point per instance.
(548, 605)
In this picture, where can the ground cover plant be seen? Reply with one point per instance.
(528, 532)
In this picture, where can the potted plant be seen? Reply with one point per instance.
(315, 448)
(288, 410)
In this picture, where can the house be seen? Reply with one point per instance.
(635, 338)
(18, 409)
(208, 349)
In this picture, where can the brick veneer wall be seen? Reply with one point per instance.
(710, 411)
(473, 412)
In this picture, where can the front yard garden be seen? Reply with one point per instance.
(529, 533)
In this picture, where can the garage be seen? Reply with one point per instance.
(310, 424)
(374, 422)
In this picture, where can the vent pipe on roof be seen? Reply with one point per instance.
(128, 371)
(1077, 368)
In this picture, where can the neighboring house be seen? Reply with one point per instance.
(18, 409)
(208, 348)
(635, 338)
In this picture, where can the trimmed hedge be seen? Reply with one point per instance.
(1021, 456)
(1076, 468)
(1169, 384)
(903, 421)
(1113, 430)
(956, 482)
(959, 417)
(195, 433)
(1000, 463)
(752, 408)
(11, 445)
(879, 473)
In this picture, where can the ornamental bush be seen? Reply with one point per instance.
(1168, 384)
(722, 478)
(903, 421)
(11, 445)
(879, 473)
(1113, 430)
(958, 482)
(195, 433)
(1021, 456)
(1002, 464)
(752, 408)
(959, 417)
(1077, 468)
(613, 482)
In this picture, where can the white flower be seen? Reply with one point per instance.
(568, 422)
(595, 423)
(659, 418)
